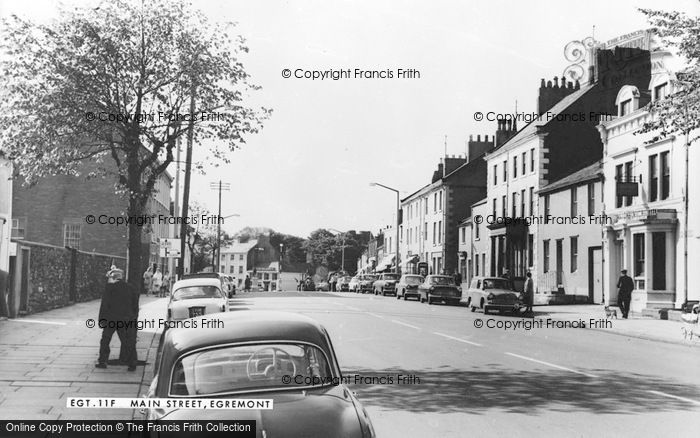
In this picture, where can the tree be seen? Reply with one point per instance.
(679, 112)
(119, 85)
(326, 248)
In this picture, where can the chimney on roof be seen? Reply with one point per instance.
(506, 130)
(550, 95)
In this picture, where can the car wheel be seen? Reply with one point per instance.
(430, 300)
(422, 300)
(473, 308)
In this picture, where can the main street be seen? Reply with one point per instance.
(492, 382)
(457, 380)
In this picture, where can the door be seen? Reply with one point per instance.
(595, 274)
(560, 263)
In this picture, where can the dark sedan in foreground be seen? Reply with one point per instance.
(439, 288)
(281, 356)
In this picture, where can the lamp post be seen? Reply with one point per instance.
(218, 236)
(342, 263)
(396, 267)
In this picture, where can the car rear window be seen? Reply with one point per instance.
(192, 292)
(414, 279)
(442, 280)
(497, 283)
(250, 368)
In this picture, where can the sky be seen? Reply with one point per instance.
(312, 164)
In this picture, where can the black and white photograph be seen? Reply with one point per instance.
(349, 218)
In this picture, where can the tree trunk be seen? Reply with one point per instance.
(135, 209)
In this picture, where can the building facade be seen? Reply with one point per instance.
(5, 212)
(649, 195)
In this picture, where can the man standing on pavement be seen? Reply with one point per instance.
(247, 283)
(118, 312)
(458, 277)
(528, 292)
(625, 286)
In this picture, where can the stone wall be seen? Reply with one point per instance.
(48, 283)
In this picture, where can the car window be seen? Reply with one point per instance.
(441, 280)
(478, 284)
(249, 368)
(413, 279)
(391, 276)
(192, 292)
(497, 283)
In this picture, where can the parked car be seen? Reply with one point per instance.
(193, 297)
(492, 293)
(386, 284)
(323, 286)
(308, 284)
(354, 284)
(407, 287)
(343, 284)
(222, 278)
(366, 282)
(250, 357)
(439, 288)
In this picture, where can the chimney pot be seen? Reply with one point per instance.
(486, 138)
(470, 137)
(549, 84)
(478, 137)
(556, 82)
(542, 84)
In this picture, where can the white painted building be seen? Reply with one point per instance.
(651, 195)
(234, 260)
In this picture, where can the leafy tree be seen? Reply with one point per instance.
(326, 248)
(109, 84)
(678, 113)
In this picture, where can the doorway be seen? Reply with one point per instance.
(595, 274)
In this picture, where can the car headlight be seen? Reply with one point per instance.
(223, 307)
(491, 297)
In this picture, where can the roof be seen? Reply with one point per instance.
(249, 326)
(531, 128)
(187, 282)
(590, 173)
(428, 187)
(238, 247)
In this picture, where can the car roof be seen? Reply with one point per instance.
(203, 281)
(249, 326)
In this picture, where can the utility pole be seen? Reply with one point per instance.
(186, 189)
(219, 186)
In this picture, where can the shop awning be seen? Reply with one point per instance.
(410, 259)
(386, 262)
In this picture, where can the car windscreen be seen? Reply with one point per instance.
(443, 281)
(192, 292)
(249, 368)
(346, 279)
(497, 283)
(413, 280)
(369, 277)
(391, 276)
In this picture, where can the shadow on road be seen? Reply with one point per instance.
(519, 391)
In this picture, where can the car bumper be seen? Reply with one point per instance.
(511, 307)
(444, 298)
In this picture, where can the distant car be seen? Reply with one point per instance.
(386, 284)
(257, 355)
(407, 287)
(492, 293)
(343, 284)
(354, 284)
(193, 297)
(439, 288)
(366, 282)
(323, 286)
(308, 284)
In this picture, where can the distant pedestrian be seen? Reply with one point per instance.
(165, 286)
(625, 286)
(458, 277)
(247, 283)
(118, 312)
(528, 292)
(156, 282)
(333, 282)
(147, 277)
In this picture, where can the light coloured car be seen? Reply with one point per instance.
(407, 287)
(492, 293)
(354, 284)
(196, 297)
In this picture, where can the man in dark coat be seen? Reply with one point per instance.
(118, 312)
(625, 286)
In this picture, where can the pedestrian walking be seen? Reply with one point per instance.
(247, 283)
(147, 277)
(528, 292)
(165, 286)
(118, 312)
(457, 277)
(156, 281)
(625, 286)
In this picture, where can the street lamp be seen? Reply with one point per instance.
(372, 184)
(342, 263)
(218, 236)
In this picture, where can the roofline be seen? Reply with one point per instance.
(442, 179)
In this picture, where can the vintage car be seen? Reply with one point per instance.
(492, 293)
(386, 284)
(439, 288)
(252, 355)
(343, 284)
(195, 297)
(366, 282)
(354, 284)
(323, 286)
(407, 287)
(308, 284)
(226, 284)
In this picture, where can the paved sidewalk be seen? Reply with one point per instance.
(636, 326)
(49, 356)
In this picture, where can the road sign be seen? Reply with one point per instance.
(169, 248)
